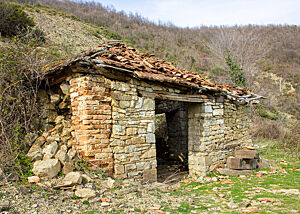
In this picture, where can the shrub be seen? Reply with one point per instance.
(13, 20)
(21, 63)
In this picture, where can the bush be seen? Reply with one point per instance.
(13, 20)
(21, 63)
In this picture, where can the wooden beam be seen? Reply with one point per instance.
(173, 96)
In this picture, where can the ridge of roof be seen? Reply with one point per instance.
(118, 56)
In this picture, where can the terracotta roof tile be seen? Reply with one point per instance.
(145, 66)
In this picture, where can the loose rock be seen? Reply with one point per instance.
(4, 206)
(34, 179)
(85, 193)
(46, 168)
(73, 178)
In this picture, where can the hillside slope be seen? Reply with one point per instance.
(269, 56)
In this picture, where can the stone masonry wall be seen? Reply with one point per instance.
(91, 119)
(216, 129)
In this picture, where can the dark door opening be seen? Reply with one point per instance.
(171, 139)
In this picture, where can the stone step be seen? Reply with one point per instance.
(241, 164)
(247, 154)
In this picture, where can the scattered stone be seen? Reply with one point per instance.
(90, 186)
(65, 88)
(234, 172)
(35, 205)
(67, 168)
(214, 179)
(85, 193)
(72, 178)
(105, 204)
(110, 183)
(4, 206)
(50, 150)
(46, 168)
(34, 179)
(86, 178)
(40, 141)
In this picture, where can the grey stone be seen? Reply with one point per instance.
(72, 178)
(85, 193)
(86, 179)
(46, 168)
(50, 150)
(150, 138)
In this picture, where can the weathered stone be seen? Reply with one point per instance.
(46, 168)
(86, 179)
(150, 138)
(34, 179)
(65, 88)
(234, 163)
(234, 172)
(85, 193)
(247, 154)
(50, 150)
(110, 183)
(72, 178)
(54, 99)
(67, 168)
(59, 119)
(62, 156)
(71, 153)
(40, 141)
(35, 153)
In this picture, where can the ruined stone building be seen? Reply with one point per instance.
(103, 104)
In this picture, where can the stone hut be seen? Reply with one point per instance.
(103, 104)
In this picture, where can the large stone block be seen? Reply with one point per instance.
(247, 154)
(234, 163)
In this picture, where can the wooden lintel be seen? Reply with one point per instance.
(173, 97)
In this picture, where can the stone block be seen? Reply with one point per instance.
(46, 168)
(150, 138)
(206, 108)
(149, 175)
(234, 163)
(247, 154)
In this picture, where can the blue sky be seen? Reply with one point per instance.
(191, 13)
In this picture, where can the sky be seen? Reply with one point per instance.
(193, 13)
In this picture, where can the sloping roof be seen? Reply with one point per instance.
(145, 67)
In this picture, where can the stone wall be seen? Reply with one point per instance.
(112, 124)
(216, 129)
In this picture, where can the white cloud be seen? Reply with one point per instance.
(213, 12)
